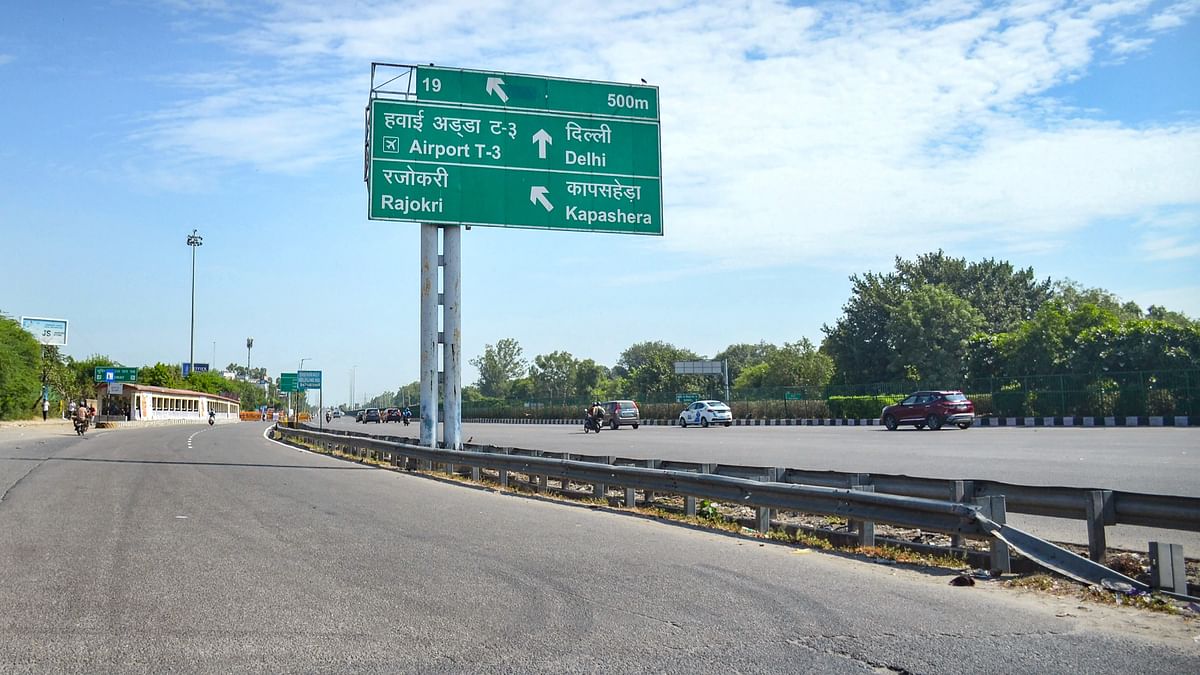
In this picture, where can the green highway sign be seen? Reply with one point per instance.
(111, 374)
(547, 154)
(542, 199)
(409, 131)
(687, 398)
(287, 382)
(515, 91)
(793, 396)
(308, 379)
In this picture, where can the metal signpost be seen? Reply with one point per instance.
(451, 147)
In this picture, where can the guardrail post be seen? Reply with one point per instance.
(1100, 512)
(993, 507)
(630, 498)
(853, 481)
(599, 490)
(1167, 571)
(650, 495)
(504, 472)
(963, 492)
(689, 505)
(866, 528)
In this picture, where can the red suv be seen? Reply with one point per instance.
(930, 409)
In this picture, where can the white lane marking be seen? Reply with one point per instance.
(266, 434)
(189, 442)
(181, 517)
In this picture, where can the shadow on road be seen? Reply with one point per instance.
(184, 463)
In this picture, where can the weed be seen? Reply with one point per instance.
(916, 557)
(708, 511)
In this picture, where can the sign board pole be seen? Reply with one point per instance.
(429, 341)
(452, 328)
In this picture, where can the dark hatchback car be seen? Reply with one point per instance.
(371, 415)
(393, 415)
(930, 409)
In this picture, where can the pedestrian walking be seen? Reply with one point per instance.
(45, 408)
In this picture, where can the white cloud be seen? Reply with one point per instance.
(1174, 16)
(845, 123)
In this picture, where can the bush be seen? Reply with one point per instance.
(861, 407)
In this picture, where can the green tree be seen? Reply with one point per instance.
(592, 381)
(498, 366)
(20, 375)
(161, 375)
(863, 343)
(651, 369)
(1003, 295)
(931, 327)
(554, 375)
(1074, 295)
(744, 355)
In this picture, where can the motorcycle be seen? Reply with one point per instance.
(406, 418)
(328, 418)
(81, 426)
(591, 423)
(212, 419)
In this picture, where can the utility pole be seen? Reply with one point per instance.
(194, 241)
(249, 344)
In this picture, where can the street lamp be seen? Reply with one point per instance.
(194, 241)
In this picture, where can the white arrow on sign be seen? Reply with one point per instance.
(493, 87)
(542, 138)
(537, 195)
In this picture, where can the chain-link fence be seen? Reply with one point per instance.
(1133, 393)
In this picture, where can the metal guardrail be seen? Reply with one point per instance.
(755, 487)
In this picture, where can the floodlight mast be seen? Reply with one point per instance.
(194, 241)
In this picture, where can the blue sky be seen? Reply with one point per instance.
(802, 143)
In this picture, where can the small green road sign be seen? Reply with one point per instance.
(111, 374)
(687, 398)
(308, 379)
(531, 92)
(793, 396)
(287, 382)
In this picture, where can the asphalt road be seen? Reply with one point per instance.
(197, 549)
(1157, 460)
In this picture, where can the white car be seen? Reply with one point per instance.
(705, 413)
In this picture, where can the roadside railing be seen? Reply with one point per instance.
(951, 507)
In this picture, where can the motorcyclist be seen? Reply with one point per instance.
(597, 413)
(81, 416)
(406, 414)
(212, 417)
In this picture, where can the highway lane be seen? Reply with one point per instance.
(1155, 460)
(198, 549)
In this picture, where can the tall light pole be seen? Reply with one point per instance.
(249, 344)
(353, 369)
(194, 241)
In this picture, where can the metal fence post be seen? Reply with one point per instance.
(853, 482)
(993, 506)
(1100, 512)
(963, 492)
(504, 472)
(866, 528)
